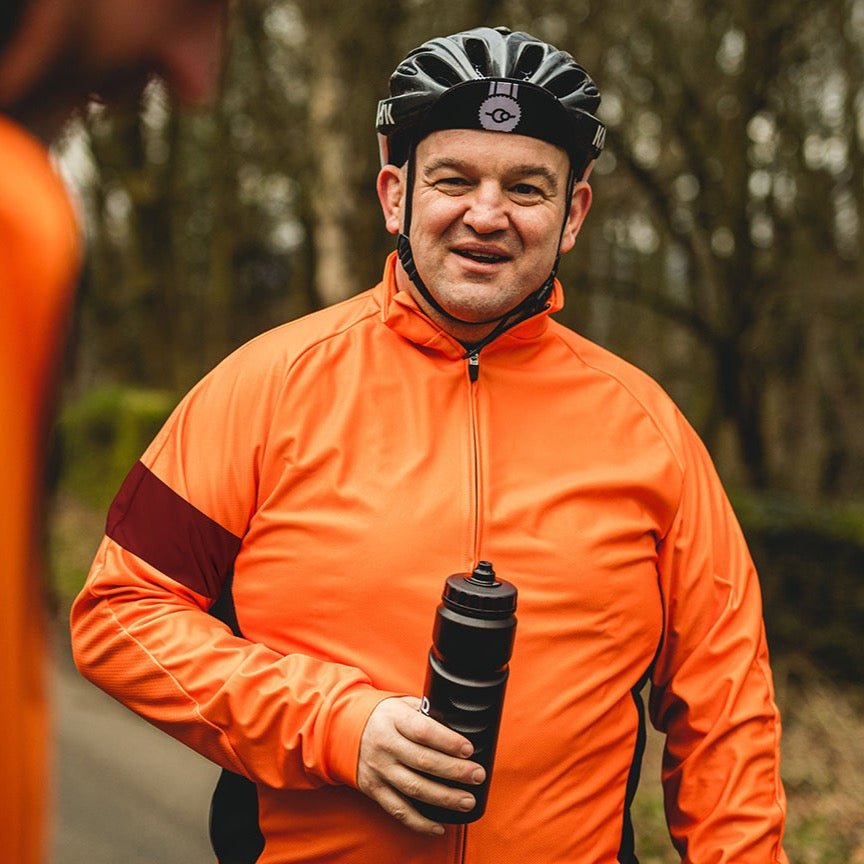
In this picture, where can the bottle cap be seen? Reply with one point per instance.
(480, 592)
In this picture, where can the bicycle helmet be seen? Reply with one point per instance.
(496, 80)
(491, 79)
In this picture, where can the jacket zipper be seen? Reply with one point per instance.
(474, 366)
(473, 374)
(461, 843)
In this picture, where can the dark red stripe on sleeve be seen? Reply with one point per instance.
(149, 519)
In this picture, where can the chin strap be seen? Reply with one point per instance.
(533, 304)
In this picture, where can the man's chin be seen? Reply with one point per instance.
(476, 304)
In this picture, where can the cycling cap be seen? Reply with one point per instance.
(492, 79)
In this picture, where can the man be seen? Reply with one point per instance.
(266, 587)
(53, 53)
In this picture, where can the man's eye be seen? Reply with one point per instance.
(452, 182)
(526, 190)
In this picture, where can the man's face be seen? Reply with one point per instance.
(487, 215)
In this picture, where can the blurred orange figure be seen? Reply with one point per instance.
(38, 254)
(54, 54)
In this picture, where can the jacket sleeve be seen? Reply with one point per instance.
(141, 629)
(712, 692)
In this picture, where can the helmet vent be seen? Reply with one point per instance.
(530, 58)
(406, 69)
(567, 83)
(478, 54)
(439, 71)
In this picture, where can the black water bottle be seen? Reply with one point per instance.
(472, 641)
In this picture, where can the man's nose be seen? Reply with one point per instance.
(486, 210)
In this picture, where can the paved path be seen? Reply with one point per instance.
(125, 792)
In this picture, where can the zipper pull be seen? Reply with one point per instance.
(474, 365)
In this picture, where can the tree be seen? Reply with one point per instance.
(722, 253)
(730, 207)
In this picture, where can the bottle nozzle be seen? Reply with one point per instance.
(484, 574)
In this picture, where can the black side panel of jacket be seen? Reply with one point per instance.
(234, 830)
(627, 849)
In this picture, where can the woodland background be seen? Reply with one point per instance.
(723, 254)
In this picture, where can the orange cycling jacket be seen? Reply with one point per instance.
(272, 565)
(38, 261)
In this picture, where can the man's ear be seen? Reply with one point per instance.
(580, 204)
(391, 191)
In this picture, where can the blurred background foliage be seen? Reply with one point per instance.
(723, 253)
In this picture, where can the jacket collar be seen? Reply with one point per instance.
(400, 313)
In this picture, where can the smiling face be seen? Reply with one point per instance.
(486, 221)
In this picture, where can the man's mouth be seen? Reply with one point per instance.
(481, 257)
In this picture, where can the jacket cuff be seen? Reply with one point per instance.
(346, 730)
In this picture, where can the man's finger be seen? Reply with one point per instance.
(401, 810)
(422, 744)
(427, 761)
(426, 789)
(424, 730)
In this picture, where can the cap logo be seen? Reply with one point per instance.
(500, 111)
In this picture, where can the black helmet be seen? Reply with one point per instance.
(494, 79)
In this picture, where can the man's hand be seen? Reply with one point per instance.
(397, 743)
